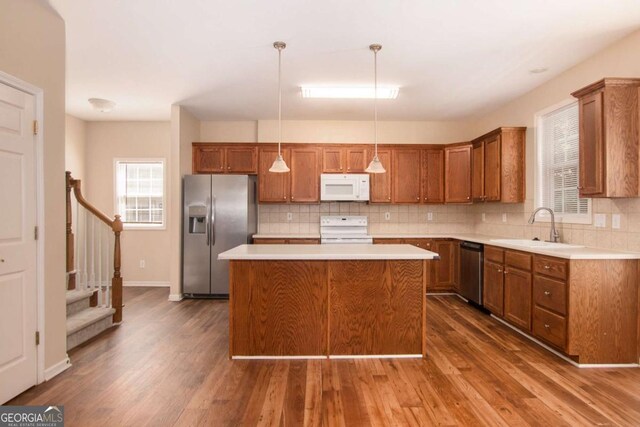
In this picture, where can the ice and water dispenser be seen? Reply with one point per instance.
(197, 219)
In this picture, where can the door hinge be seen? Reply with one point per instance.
(35, 232)
(37, 337)
(35, 127)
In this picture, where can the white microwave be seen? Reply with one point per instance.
(351, 187)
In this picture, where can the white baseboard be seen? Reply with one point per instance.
(57, 369)
(148, 284)
(175, 297)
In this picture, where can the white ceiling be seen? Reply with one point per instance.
(453, 59)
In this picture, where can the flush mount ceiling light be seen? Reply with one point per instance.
(102, 105)
(279, 165)
(375, 166)
(350, 92)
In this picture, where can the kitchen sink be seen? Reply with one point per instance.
(536, 244)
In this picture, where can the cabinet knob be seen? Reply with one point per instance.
(285, 197)
(499, 270)
(428, 245)
(348, 169)
(389, 198)
(228, 167)
(426, 198)
(291, 197)
(546, 267)
(580, 187)
(546, 326)
(505, 271)
(340, 167)
(547, 293)
(468, 197)
(418, 198)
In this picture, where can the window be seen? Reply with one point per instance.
(140, 193)
(557, 168)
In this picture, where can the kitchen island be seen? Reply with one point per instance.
(319, 301)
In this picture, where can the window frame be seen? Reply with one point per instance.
(539, 174)
(134, 225)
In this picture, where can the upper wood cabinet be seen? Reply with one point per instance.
(300, 185)
(352, 159)
(380, 183)
(432, 187)
(457, 174)
(272, 187)
(233, 158)
(305, 174)
(406, 175)
(498, 164)
(609, 150)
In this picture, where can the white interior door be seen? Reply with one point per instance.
(18, 293)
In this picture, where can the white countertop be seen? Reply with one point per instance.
(327, 252)
(567, 253)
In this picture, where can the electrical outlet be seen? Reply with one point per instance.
(289, 216)
(142, 263)
(600, 220)
(615, 221)
(504, 217)
(387, 216)
(484, 217)
(429, 216)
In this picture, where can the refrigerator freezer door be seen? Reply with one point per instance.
(232, 222)
(196, 251)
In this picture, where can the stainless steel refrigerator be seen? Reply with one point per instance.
(220, 212)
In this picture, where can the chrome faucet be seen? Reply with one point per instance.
(554, 236)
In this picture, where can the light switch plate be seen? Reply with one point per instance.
(600, 220)
(387, 216)
(429, 216)
(615, 221)
(142, 263)
(504, 217)
(289, 216)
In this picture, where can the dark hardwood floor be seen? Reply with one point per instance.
(167, 365)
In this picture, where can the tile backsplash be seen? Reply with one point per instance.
(305, 219)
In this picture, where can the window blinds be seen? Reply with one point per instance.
(558, 154)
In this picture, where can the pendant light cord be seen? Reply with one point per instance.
(375, 101)
(279, 99)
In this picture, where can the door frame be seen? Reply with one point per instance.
(38, 95)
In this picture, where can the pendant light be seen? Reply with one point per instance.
(375, 166)
(279, 165)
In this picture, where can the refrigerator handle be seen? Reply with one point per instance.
(207, 220)
(213, 221)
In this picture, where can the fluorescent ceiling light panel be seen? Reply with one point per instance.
(345, 92)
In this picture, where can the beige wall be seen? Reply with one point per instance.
(622, 59)
(74, 148)
(105, 142)
(243, 131)
(32, 46)
(185, 129)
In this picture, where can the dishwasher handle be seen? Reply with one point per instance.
(472, 246)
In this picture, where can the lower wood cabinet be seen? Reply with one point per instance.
(296, 241)
(493, 289)
(517, 297)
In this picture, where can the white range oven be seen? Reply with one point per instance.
(344, 229)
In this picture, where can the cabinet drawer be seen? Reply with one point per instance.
(550, 327)
(494, 254)
(304, 241)
(552, 267)
(550, 294)
(385, 241)
(421, 243)
(518, 260)
(269, 241)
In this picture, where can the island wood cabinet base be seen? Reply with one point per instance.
(327, 308)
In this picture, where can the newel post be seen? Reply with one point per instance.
(71, 274)
(116, 282)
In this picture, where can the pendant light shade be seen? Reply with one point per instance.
(375, 166)
(279, 165)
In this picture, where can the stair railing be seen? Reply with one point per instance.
(93, 251)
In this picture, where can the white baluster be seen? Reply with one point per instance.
(98, 258)
(109, 265)
(85, 236)
(76, 256)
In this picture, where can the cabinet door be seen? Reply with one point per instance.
(477, 180)
(208, 160)
(406, 176)
(493, 288)
(591, 149)
(517, 297)
(332, 160)
(443, 268)
(305, 175)
(457, 182)
(492, 169)
(241, 160)
(272, 187)
(433, 176)
(357, 159)
(380, 183)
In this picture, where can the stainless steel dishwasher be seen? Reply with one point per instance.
(471, 263)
